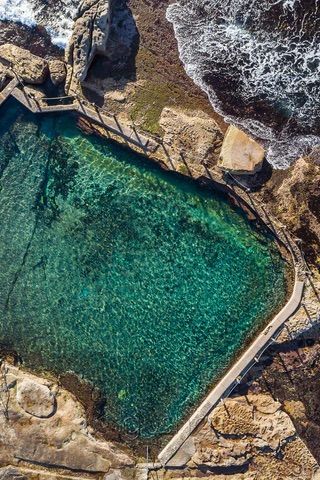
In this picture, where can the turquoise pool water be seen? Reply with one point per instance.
(127, 275)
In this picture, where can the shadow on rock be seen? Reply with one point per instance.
(119, 61)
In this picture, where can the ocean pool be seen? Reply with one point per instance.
(134, 278)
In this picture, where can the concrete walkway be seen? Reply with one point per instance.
(129, 134)
(7, 91)
(236, 372)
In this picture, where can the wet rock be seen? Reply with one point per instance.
(30, 68)
(35, 398)
(90, 35)
(240, 154)
(57, 71)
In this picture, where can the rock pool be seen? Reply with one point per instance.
(132, 277)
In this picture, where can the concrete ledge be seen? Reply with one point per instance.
(233, 376)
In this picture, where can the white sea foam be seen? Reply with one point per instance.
(56, 18)
(268, 49)
(17, 11)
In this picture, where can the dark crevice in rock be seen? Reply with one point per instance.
(54, 466)
(230, 470)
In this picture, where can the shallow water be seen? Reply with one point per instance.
(129, 276)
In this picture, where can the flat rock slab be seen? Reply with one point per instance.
(47, 426)
(35, 398)
(240, 154)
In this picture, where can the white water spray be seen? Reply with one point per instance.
(257, 53)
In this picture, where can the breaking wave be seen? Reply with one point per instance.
(56, 16)
(259, 62)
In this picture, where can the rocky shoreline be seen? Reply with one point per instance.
(262, 431)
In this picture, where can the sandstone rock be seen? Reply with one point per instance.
(90, 34)
(57, 71)
(294, 198)
(35, 398)
(29, 67)
(240, 154)
(116, 96)
(250, 433)
(113, 475)
(11, 473)
(194, 134)
(62, 440)
(269, 424)
(3, 76)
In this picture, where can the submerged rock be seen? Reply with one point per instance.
(30, 68)
(89, 37)
(240, 153)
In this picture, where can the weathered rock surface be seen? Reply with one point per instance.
(258, 417)
(30, 68)
(294, 197)
(62, 439)
(240, 153)
(11, 473)
(90, 35)
(194, 134)
(3, 76)
(58, 71)
(35, 398)
(251, 433)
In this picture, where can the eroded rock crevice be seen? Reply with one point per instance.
(90, 35)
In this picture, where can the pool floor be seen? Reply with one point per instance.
(131, 277)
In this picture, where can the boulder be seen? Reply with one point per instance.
(240, 154)
(89, 37)
(35, 398)
(57, 71)
(29, 67)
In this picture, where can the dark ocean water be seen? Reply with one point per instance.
(259, 62)
(134, 278)
(56, 16)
